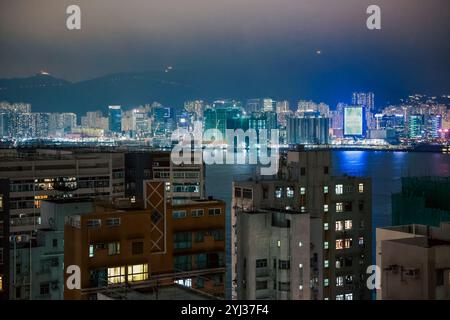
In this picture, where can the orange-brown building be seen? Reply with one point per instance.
(169, 240)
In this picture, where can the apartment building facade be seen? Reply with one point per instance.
(37, 259)
(37, 175)
(143, 249)
(303, 234)
(414, 262)
(4, 239)
(182, 181)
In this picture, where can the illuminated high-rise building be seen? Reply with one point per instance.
(366, 100)
(115, 119)
(415, 125)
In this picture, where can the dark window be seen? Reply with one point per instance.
(439, 277)
(44, 288)
(55, 243)
(348, 206)
(261, 285)
(361, 205)
(218, 235)
(182, 263)
(265, 193)
(200, 283)
(284, 286)
(303, 171)
(202, 261)
(348, 261)
(261, 263)
(218, 279)
(182, 240)
(237, 192)
(325, 170)
(247, 194)
(200, 236)
(137, 248)
(284, 264)
(214, 212)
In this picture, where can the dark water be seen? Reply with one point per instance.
(385, 169)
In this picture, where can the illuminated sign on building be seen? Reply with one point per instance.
(354, 124)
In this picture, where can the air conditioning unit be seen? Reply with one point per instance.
(393, 268)
(412, 273)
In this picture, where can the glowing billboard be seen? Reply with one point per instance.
(354, 121)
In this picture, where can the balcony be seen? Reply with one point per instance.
(262, 273)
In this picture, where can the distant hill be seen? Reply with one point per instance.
(49, 94)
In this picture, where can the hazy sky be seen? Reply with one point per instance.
(223, 39)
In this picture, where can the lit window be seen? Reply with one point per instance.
(349, 296)
(339, 281)
(116, 275)
(340, 297)
(1, 203)
(339, 244)
(113, 248)
(326, 263)
(339, 207)
(339, 189)
(279, 243)
(339, 226)
(91, 250)
(325, 208)
(325, 226)
(361, 241)
(325, 189)
(138, 272)
(278, 192)
(361, 188)
(348, 243)
(348, 224)
(1, 283)
(300, 287)
(303, 209)
(300, 244)
(184, 282)
(302, 191)
(300, 265)
(290, 192)
(326, 282)
(325, 245)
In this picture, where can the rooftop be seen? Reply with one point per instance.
(422, 242)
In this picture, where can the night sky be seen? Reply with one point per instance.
(263, 46)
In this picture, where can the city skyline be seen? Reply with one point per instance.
(224, 151)
(265, 51)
